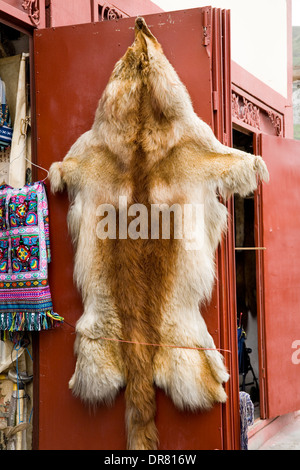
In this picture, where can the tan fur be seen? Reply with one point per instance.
(148, 145)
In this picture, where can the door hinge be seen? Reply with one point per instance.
(215, 99)
(206, 39)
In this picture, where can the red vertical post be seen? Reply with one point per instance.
(226, 253)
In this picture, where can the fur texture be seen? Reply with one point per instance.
(148, 145)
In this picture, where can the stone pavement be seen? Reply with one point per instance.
(286, 437)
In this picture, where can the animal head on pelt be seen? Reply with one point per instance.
(144, 100)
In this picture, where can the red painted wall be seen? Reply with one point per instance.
(281, 229)
(65, 12)
(68, 12)
(15, 3)
(132, 7)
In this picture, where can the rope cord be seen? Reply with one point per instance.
(156, 345)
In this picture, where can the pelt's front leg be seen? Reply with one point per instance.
(65, 173)
(69, 172)
(242, 173)
(233, 170)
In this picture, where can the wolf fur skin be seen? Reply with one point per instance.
(148, 144)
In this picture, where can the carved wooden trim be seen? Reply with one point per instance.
(245, 111)
(33, 10)
(276, 121)
(107, 11)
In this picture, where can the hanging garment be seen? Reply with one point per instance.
(246, 417)
(6, 131)
(241, 335)
(20, 145)
(25, 298)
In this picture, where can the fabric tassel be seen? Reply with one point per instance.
(24, 321)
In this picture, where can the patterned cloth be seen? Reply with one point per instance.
(246, 416)
(25, 298)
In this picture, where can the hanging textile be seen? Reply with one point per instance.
(6, 130)
(25, 298)
(13, 74)
(18, 154)
(241, 335)
(246, 417)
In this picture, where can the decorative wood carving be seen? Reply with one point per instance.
(33, 10)
(255, 115)
(110, 12)
(276, 121)
(245, 111)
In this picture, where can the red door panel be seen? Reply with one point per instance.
(281, 235)
(72, 67)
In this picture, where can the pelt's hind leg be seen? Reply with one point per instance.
(99, 372)
(98, 375)
(187, 377)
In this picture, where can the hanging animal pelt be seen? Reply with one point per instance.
(148, 152)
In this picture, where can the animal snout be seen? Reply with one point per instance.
(140, 22)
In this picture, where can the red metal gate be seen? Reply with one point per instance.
(72, 67)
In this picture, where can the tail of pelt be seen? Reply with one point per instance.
(140, 412)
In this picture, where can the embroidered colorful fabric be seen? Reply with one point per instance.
(25, 297)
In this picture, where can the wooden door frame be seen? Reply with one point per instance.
(257, 109)
(222, 126)
(258, 236)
